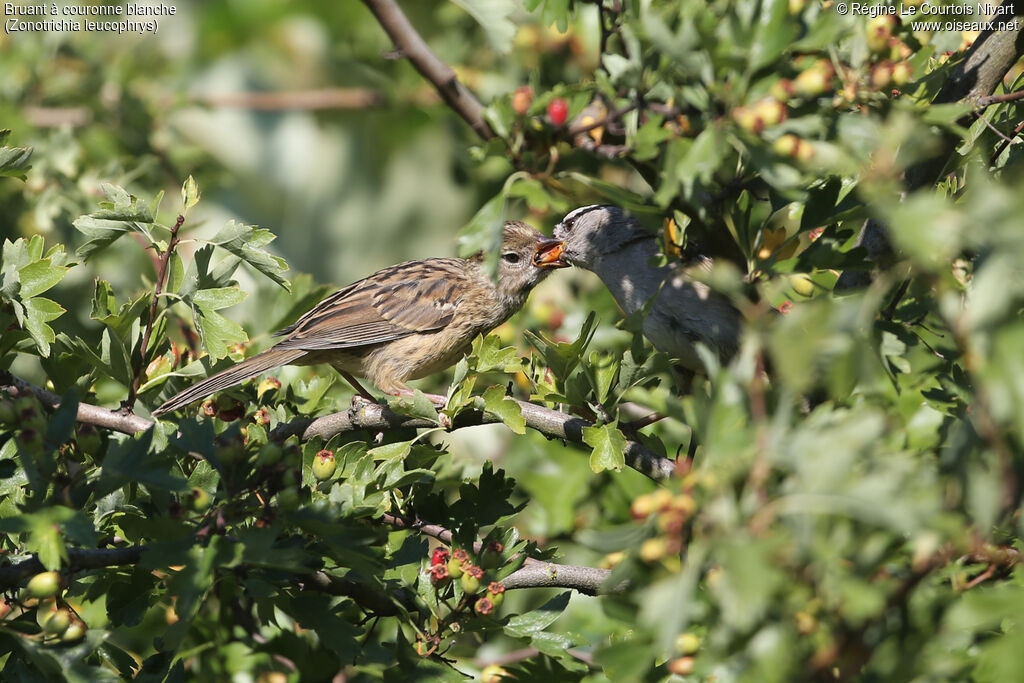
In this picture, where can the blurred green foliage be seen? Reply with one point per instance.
(853, 515)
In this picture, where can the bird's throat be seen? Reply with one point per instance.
(629, 274)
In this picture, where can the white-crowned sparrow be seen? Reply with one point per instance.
(403, 322)
(611, 243)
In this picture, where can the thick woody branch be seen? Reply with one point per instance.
(552, 423)
(366, 416)
(412, 46)
(89, 414)
(586, 580)
(79, 559)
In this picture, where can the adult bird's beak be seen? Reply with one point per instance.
(549, 254)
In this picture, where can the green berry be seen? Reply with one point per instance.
(454, 568)
(324, 465)
(199, 500)
(55, 620)
(44, 585)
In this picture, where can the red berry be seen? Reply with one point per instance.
(440, 556)
(558, 111)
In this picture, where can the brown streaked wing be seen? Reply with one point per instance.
(417, 296)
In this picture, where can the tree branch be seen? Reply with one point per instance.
(586, 580)
(412, 46)
(551, 423)
(368, 416)
(89, 414)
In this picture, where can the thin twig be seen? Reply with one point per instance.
(988, 100)
(994, 129)
(412, 46)
(161, 277)
(1004, 144)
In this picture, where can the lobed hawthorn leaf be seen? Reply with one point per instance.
(120, 214)
(217, 332)
(504, 408)
(247, 242)
(608, 444)
(14, 161)
(38, 312)
(39, 276)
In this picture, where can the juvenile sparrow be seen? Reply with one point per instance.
(403, 322)
(606, 240)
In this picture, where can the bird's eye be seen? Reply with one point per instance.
(510, 257)
(569, 223)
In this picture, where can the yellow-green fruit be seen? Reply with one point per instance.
(786, 145)
(43, 585)
(470, 583)
(199, 500)
(801, 284)
(902, 73)
(324, 465)
(454, 568)
(881, 75)
(56, 620)
(493, 673)
(815, 80)
(74, 632)
(770, 110)
(879, 31)
(653, 549)
(687, 643)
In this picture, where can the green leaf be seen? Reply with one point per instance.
(603, 368)
(525, 625)
(218, 298)
(608, 444)
(247, 242)
(38, 277)
(14, 161)
(38, 312)
(488, 354)
(217, 332)
(494, 17)
(120, 214)
(776, 30)
(418, 406)
(504, 408)
(190, 193)
(391, 451)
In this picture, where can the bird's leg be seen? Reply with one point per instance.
(356, 385)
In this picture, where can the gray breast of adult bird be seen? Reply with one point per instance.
(611, 243)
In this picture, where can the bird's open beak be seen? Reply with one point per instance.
(549, 254)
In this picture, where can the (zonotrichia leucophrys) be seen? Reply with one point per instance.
(403, 322)
(611, 243)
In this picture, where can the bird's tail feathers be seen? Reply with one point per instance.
(236, 374)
